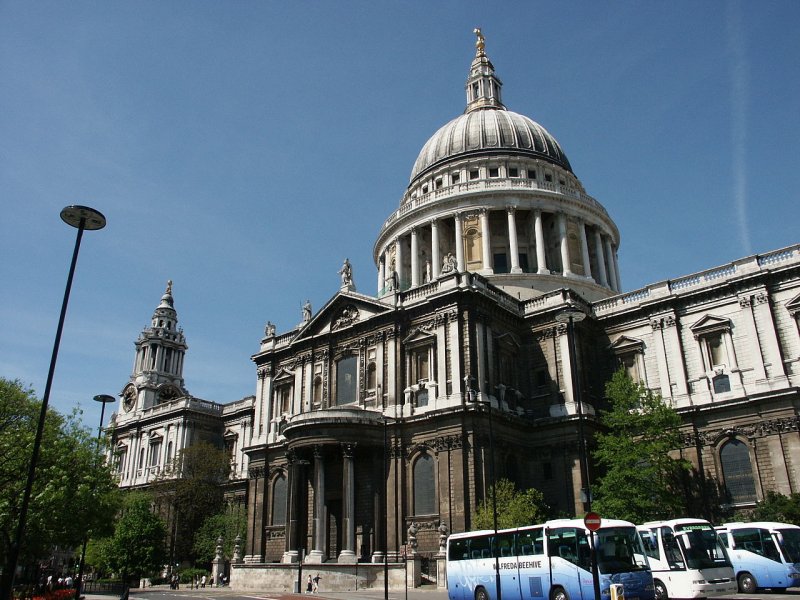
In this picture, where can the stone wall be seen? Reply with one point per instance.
(333, 577)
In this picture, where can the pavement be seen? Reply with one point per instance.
(422, 593)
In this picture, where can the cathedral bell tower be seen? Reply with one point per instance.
(158, 368)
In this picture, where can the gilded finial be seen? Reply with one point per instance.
(480, 44)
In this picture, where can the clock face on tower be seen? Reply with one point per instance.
(129, 397)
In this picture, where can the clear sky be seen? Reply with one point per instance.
(243, 149)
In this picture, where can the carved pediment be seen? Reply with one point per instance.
(283, 376)
(710, 323)
(418, 336)
(230, 434)
(624, 344)
(508, 339)
(342, 311)
(793, 305)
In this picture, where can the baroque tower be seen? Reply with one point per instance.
(158, 367)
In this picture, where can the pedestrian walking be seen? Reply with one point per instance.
(316, 581)
(203, 581)
(309, 585)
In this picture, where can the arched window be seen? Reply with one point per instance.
(738, 472)
(279, 501)
(424, 486)
(346, 380)
(372, 378)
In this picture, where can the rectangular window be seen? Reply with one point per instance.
(531, 174)
(500, 263)
(438, 183)
(494, 172)
(474, 174)
(424, 189)
(155, 452)
(513, 172)
(523, 262)
(455, 177)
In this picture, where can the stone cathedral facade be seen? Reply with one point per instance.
(381, 417)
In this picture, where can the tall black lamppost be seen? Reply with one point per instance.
(473, 397)
(103, 399)
(571, 315)
(82, 218)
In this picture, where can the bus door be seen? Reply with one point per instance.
(534, 572)
(570, 562)
(508, 565)
(755, 551)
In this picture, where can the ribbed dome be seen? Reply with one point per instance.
(489, 130)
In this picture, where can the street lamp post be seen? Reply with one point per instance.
(103, 399)
(82, 218)
(571, 315)
(495, 550)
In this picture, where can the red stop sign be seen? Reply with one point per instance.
(592, 521)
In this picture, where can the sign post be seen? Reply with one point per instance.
(592, 521)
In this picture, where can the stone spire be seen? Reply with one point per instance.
(483, 86)
(160, 350)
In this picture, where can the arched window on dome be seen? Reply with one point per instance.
(424, 486)
(737, 472)
(279, 500)
(472, 249)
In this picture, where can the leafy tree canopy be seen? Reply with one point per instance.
(137, 547)
(641, 478)
(190, 490)
(515, 508)
(779, 508)
(229, 523)
(74, 490)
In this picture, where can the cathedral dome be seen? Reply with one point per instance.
(485, 131)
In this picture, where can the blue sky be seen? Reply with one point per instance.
(243, 149)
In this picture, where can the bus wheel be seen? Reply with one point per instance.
(558, 594)
(661, 590)
(747, 583)
(481, 594)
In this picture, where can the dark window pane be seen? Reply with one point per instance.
(738, 472)
(279, 501)
(424, 492)
(346, 379)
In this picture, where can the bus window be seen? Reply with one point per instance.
(505, 545)
(480, 547)
(650, 541)
(530, 542)
(789, 540)
(571, 544)
(671, 550)
(757, 541)
(458, 550)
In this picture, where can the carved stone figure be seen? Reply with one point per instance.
(306, 311)
(269, 330)
(448, 263)
(412, 536)
(443, 533)
(347, 273)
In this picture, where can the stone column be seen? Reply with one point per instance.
(436, 260)
(587, 266)
(317, 554)
(348, 554)
(290, 553)
(762, 312)
(381, 272)
(486, 246)
(414, 258)
(459, 242)
(541, 258)
(617, 278)
(661, 358)
(601, 258)
(612, 271)
(564, 242)
(745, 303)
(512, 240)
(398, 257)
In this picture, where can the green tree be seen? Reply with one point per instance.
(641, 479)
(515, 508)
(229, 523)
(189, 491)
(137, 547)
(74, 490)
(779, 508)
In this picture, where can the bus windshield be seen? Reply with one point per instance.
(701, 547)
(619, 550)
(790, 544)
